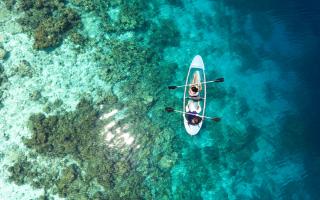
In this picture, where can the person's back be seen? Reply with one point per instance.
(193, 108)
(192, 118)
(195, 88)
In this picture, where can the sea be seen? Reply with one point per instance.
(84, 87)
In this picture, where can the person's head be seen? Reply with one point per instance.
(194, 89)
(196, 120)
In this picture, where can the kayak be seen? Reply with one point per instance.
(196, 75)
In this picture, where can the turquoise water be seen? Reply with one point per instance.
(83, 92)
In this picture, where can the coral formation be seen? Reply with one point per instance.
(51, 31)
(164, 35)
(20, 170)
(62, 135)
(74, 133)
(119, 173)
(53, 106)
(23, 69)
(130, 16)
(48, 21)
(78, 38)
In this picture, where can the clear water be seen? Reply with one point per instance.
(265, 147)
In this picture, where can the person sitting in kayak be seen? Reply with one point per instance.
(194, 92)
(195, 87)
(192, 118)
(193, 108)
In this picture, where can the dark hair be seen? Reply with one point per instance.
(194, 89)
(197, 120)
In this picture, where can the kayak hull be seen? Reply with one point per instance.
(196, 69)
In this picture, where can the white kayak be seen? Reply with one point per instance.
(196, 74)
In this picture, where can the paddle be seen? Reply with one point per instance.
(215, 119)
(196, 98)
(172, 87)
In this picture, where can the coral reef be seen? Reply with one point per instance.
(128, 173)
(48, 21)
(131, 16)
(78, 38)
(53, 106)
(164, 35)
(74, 133)
(23, 69)
(68, 176)
(20, 170)
(51, 31)
(62, 135)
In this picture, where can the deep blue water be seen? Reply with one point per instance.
(285, 37)
(300, 49)
(301, 20)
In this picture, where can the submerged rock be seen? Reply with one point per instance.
(23, 69)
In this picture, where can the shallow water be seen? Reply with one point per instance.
(265, 147)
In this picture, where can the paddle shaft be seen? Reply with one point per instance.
(179, 111)
(195, 83)
(196, 98)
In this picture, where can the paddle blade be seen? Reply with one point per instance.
(216, 119)
(168, 109)
(172, 87)
(219, 80)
